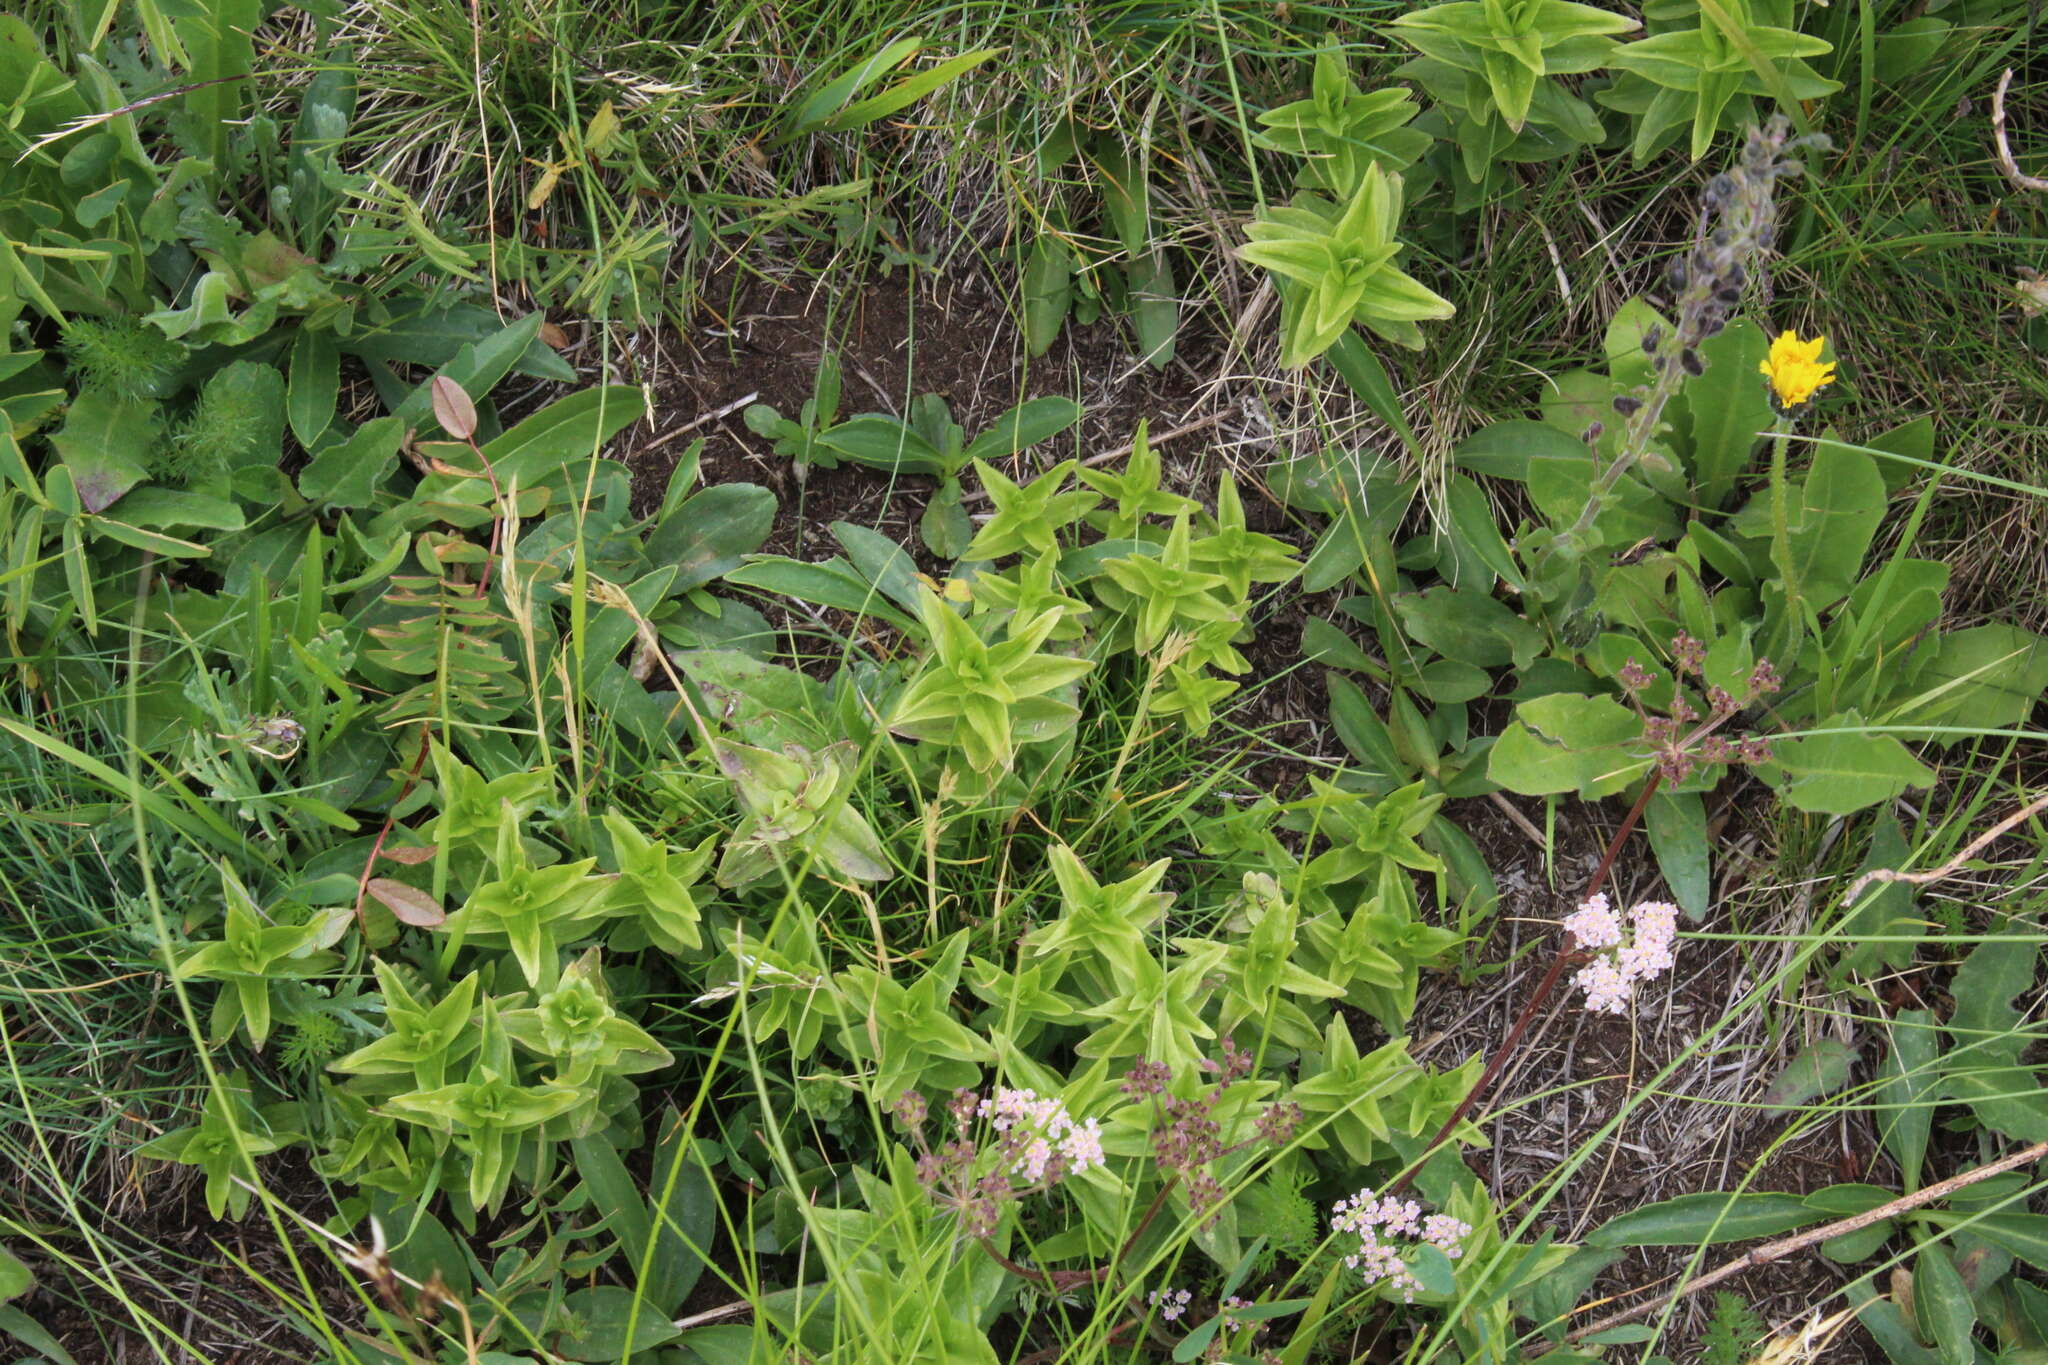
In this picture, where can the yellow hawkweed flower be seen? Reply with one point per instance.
(1795, 369)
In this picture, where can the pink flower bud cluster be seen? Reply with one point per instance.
(1622, 958)
(1040, 1135)
(1387, 1230)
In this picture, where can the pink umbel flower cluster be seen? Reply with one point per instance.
(975, 1173)
(1171, 1303)
(1621, 958)
(1387, 1230)
(1038, 1128)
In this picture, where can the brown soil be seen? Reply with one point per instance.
(1575, 1071)
(895, 341)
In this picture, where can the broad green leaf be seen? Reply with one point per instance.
(1819, 1068)
(1362, 731)
(32, 1334)
(612, 1190)
(1568, 741)
(1941, 1301)
(1677, 825)
(15, 1279)
(1473, 525)
(1366, 377)
(2025, 1235)
(566, 432)
(712, 532)
(1559, 471)
(828, 583)
(346, 473)
(882, 442)
(104, 442)
(1725, 410)
(1840, 505)
(1982, 1065)
(1470, 626)
(1706, 1219)
(609, 1323)
(881, 561)
(684, 1207)
(1048, 292)
(1985, 677)
(1154, 307)
(1837, 774)
(1024, 426)
(477, 367)
(1908, 1081)
(314, 385)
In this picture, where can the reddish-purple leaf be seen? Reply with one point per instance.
(412, 905)
(452, 408)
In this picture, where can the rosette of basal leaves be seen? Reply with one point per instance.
(1362, 927)
(656, 889)
(1709, 73)
(986, 698)
(1027, 516)
(229, 1132)
(488, 1112)
(254, 953)
(1341, 130)
(423, 1040)
(530, 908)
(1337, 267)
(1514, 48)
(906, 1029)
(795, 808)
(575, 1026)
(1166, 592)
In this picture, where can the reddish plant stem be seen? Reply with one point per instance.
(419, 761)
(1566, 955)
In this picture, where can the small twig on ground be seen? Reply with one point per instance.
(1519, 820)
(1784, 1247)
(1955, 864)
(2020, 180)
(705, 420)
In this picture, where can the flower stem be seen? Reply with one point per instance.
(1566, 955)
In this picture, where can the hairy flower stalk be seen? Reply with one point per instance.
(1738, 225)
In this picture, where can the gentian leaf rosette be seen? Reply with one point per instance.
(488, 1112)
(986, 699)
(1514, 46)
(1337, 268)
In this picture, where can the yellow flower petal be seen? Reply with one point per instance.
(1795, 368)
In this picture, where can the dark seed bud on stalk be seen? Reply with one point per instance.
(1727, 295)
(1721, 185)
(1723, 237)
(1702, 263)
(1627, 406)
(1690, 359)
(1593, 433)
(1735, 278)
(1652, 339)
(1711, 326)
(1675, 275)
